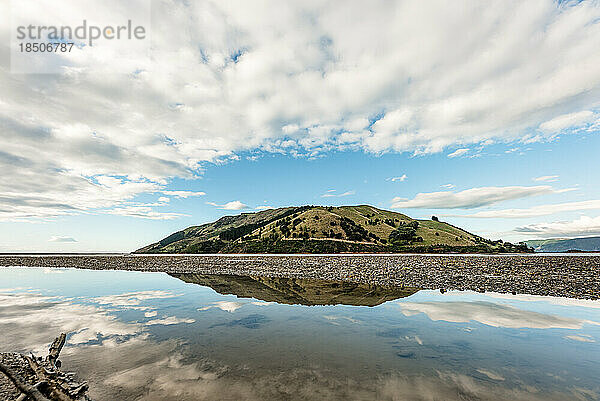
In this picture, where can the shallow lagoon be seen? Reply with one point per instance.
(151, 336)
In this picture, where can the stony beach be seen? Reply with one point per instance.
(574, 276)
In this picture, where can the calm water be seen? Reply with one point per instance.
(151, 336)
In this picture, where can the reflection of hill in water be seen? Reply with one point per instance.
(298, 291)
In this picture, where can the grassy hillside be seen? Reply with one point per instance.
(565, 245)
(321, 229)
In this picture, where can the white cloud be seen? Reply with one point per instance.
(582, 227)
(546, 178)
(233, 205)
(62, 239)
(296, 79)
(401, 178)
(332, 194)
(568, 121)
(535, 211)
(183, 194)
(459, 152)
(449, 186)
(265, 207)
(469, 198)
(143, 212)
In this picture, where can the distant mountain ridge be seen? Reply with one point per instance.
(587, 244)
(325, 229)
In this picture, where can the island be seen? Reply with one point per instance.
(328, 229)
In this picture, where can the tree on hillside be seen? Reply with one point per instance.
(403, 233)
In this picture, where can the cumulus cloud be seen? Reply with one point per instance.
(264, 207)
(546, 178)
(581, 227)
(568, 121)
(535, 211)
(400, 178)
(143, 212)
(183, 194)
(332, 193)
(297, 79)
(470, 198)
(63, 239)
(458, 152)
(233, 205)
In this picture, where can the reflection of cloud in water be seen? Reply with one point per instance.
(491, 375)
(454, 387)
(490, 314)
(584, 303)
(167, 321)
(263, 303)
(582, 338)
(232, 306)
(335, 319)
(416, 339)
(126, 363)
(14, 289)
(132, 300)
(49, 270)
(254, 321)
(176, 378)
(31, 320)
(227, 306)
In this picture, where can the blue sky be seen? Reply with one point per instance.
(424, 108)
(360, 178)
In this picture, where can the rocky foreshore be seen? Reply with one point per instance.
(574, 276)
(27, 377)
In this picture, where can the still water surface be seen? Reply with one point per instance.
(152, 336)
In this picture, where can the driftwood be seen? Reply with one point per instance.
(51, 383)
(55, 348)
(27, 390)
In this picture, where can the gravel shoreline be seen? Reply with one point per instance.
(573, 276)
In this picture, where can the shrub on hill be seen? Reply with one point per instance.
(353, 231)
(402, 233)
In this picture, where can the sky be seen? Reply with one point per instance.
(485, 114)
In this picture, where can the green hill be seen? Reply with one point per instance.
(325, 229)
(565, 245)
